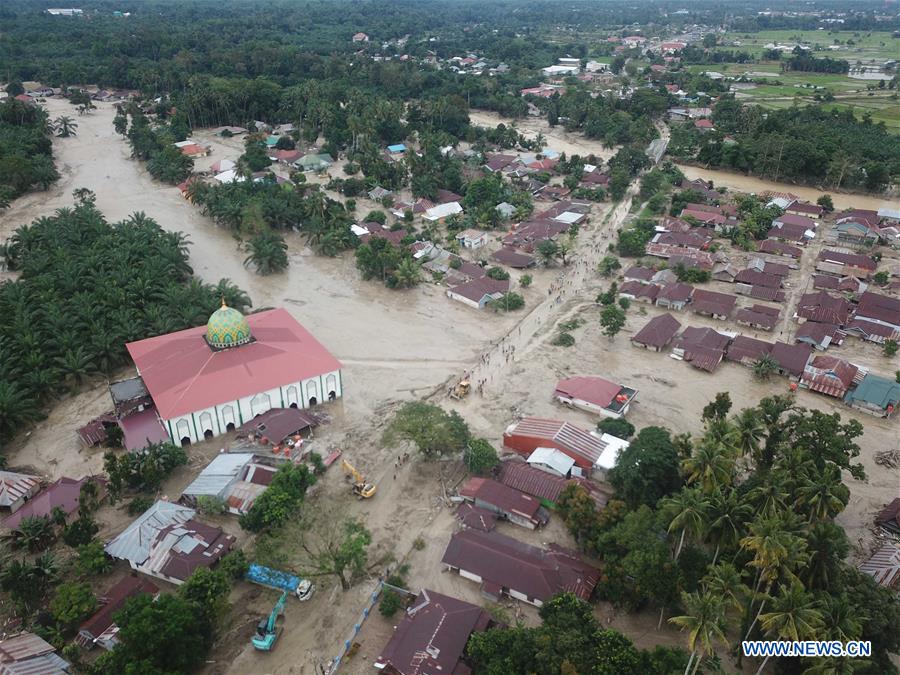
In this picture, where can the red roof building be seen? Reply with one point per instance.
(747, 350)
(100, 628)
(703, 348)
(829, 375)
(658, 332)
(506, 566)
(780, 248)
(515, 506)
(432, 636)
(823, 308)
(758, 316)
(531, 433)
(711, 303)
(202, 387)
(595, 394)
(791, 359)
(64, 494)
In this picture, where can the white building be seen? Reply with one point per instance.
(471, 238)
(559, 71)
(441, 211)
(207, 380)
(552, 461)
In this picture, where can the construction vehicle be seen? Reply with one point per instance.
(461, 389)
(302, 589)
(361, 488)
(267, 630)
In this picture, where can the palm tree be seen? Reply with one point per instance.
(17, 408)
(726, 516)
(828, 547)
(74, 364)
(724, 581)
(34, 532)
(687, 510)
(711, 465)
(824, 495)
(407, 273)
(841, 619)
(795, 616)
(65, 126)
(764, 367)
(749, 431)
(268, 253)
(706, 623)
(769, 498)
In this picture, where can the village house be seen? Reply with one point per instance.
(16, 489)
(823, 308)
(512, 258)
(638, 291)
(166, 542)
(828, 375)
(360, 37)
(63, 495)
(657, 333)
(545, 485)
(877, 318)
(884, 565)
(100, 629)
(440, 213)
(531, 433)
(787, 230)
(207, 380)
(819, 335)
(596, 395)
(432, 636)
(29, 654)
(775, 247)
(791, 359)
(801, 208)
(478, 292)
(843, 264)
(856, 233)
(758, 316)
(636, 273)
(875, 395)
(506, 566)
(889, 517)
(674, 295)
(747, 350)
(552, 461)
(234, 479)
(703, 348)
(711, 303)
(505, 502)
(472, 238)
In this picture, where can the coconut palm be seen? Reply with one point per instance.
(711, 465)
(769, 498)
(795, 616)
(764, 367)
(408, 273)
(17, 407)
(726, 516)
(65, 126)
(724, 581)
(828, 547)
(687, 512)
(268, 253)
(749, 432)
(705, 622)
(841, 620)
(823, 494)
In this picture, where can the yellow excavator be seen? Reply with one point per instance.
(361, 488)
(461, 389)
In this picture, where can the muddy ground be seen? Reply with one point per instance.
(401, 345)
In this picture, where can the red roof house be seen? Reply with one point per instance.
(823, 308)
(63, 494)
(432, 636)
(791, 359)
(515, 506)
(711, 303)
(532, 433)
(829, 375)
(506, 566)
(658, 332)
(595, 394)
(100, 628)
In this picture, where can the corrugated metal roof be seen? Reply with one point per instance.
(14, 486)
(219, 474)
(23, 646)
(884, 566)
(48, 664)
(563, 434)
(556, 460)
(136, 541)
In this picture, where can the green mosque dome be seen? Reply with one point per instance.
(227, 327)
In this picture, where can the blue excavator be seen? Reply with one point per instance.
(267, 630)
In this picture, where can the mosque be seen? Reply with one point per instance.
(201, 382)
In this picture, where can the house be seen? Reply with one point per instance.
(529, 234)
(711, 303)
(856, 233)
(819, 335)
(725, 272)
(498, 162)
(747, 350)
(222, 166)
(889, 517)
(516, 507)
(634, 40)
(432, 636)
(531, 433)
(878, 311)
(875, 395)
(560, 70)
(636, 273)
(28, 654)
(360, 37)
(884, 565)
(235, 479)
(776, 247)
(472, 238)
(100, 629)
(166, 542)
(791, 232)
(842, 264)
(506, 566)
(471, 516)
(552, 461)
(610, 455)
(396, 149)
(758, 316)
(479, 292)
(637, 291)
(704, 125)
(192, 149)
(439, 213)
(512, 258)
(658, 332)
(378, 193)
(596, 395)
(791, 359)
(674, 295)
(823, 308)
(703, 217)
(703, 348)
(63, 494)
(288, 157)
(16, 489)
(828, 375)
(795, 221)
(753, 277)
(314, 162)
(546, 485)
(801, 208)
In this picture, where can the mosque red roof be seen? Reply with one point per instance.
(184, 375)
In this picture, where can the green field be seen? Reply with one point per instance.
(867, 47)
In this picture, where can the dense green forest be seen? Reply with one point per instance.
(26, 152)
(803, 144)
(86, 288)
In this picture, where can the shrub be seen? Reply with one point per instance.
(139, 504)
(390, 603)
(234, 564)
(619, 428)
(92, 560)
(563, 339)
(624, 303)
(419, 543)
(498, 273)
(508, 303)
(480, 456)
(210, 505)
(525, 280)
(73, 603)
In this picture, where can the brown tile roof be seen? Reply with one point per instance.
(791, 358)
(711, 302)
(703, 348)
(889, 516)
(505, 562)
(113, 600)
(512, 258)
(476, 517)
(63, 494)
(759, 316)
(851, 259)
(639, 289)
(820, 334)
(799, 221)
(747, 350)
(757, 278)
(658, 332)
(879, 307)
(829, 375)
(823, 308)
(503, 497)
(780, 248)
(639, 273)
(675, 292)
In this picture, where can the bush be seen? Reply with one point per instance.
(608, 266)
(376, 217)
(92, 560)
(73, 603)
(390, 603)
(144, 470)
(234, 565)
(281, 500)
(210, 506)
(525, 280)
(624, 303)
(619, 428)
(508, 303)
(139, 504)
(80, 532)
(563, 339)
(285, 143)
(419, 543)
(480, 456)
(498, 273)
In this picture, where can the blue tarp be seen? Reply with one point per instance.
(266, 576)
(397, 148)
